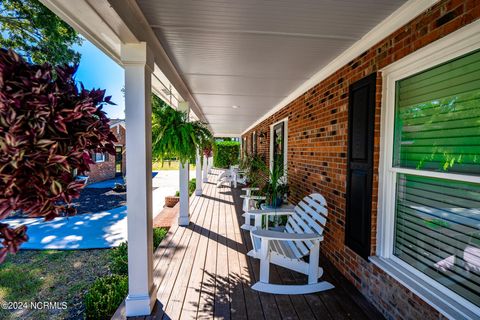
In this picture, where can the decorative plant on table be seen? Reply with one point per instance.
(276, 187)
(256, 171)
(273, 185)
(48, 128)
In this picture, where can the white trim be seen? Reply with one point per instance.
(120, 123)
(102, 158)
(449, 303)
(393, 22)
(435, 174)
(445, 303)
(285, 148)
(226, 135)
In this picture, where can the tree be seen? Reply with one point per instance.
(174, 136)
(48, 129)
(31, 29)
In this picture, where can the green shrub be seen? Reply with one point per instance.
(104, 296)
(119, 255)
(226, 153)
(119, 259)
(158, 235)
(192, 185)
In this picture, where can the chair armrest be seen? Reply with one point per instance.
(275, 235)
(272, 212)
(251, 189)
(253, 197)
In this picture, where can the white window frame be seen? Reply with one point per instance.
(449, 303)
(285, 152)
(102, 159)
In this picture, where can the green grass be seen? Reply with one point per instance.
(57, 276)
(53, 276)
(168, 165)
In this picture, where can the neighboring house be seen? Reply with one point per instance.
(107, 166)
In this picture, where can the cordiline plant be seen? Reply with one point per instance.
(48, 128)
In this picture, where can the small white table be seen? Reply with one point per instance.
(248, 200)
(276, 212)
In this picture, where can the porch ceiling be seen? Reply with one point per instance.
(253, 54)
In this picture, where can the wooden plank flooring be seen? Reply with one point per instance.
(202, 272)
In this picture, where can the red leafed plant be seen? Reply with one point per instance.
(207, 151)
(48, 128)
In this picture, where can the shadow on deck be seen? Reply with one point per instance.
(202, 272)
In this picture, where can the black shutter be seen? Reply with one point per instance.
(361, 125)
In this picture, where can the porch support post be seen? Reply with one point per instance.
(205, 169)
(198, 174)
(210, 164)
(184, 214)
(138, 63)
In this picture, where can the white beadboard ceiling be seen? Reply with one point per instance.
(252, 53)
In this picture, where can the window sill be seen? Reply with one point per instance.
(445, 304)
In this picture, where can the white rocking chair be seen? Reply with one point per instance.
(232, 176)
(226, 177)
(301, 238)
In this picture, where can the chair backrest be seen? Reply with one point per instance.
(310, 217)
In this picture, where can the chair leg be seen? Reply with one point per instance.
(264, 261)
(313, 262)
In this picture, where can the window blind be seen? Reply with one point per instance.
(437, 128)
(437, 118)
(438, 231)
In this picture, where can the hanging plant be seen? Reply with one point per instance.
(174, 136)
(208, 150)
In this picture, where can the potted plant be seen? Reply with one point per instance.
(171, 201)
(276, 187)
(174, 136)
(255, 170)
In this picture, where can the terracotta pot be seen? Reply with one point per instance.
(171, 201)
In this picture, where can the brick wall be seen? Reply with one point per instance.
(106, 170)
(121, 141)
(102, 170)
(317, 150)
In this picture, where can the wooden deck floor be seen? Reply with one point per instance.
(203, 272)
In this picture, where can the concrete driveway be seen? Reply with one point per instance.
(96, 230)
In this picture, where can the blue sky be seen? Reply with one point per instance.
(97, 70)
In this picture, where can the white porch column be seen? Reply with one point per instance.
(184, 214)
(205, 169)
(210, 164)
(198, 174)
(138, 63)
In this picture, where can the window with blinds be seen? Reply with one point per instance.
(437, 122)
(437, 128)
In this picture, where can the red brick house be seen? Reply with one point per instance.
(341, 137)
(107, 166)
(373, 104)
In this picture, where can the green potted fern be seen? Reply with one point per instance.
(174, 136)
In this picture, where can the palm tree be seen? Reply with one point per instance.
(173, 136)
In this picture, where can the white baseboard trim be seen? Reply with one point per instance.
(139, 305)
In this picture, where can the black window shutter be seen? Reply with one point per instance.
(361, 125)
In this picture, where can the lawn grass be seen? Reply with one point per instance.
(168, 165)
(58, 276)
(52, 276)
